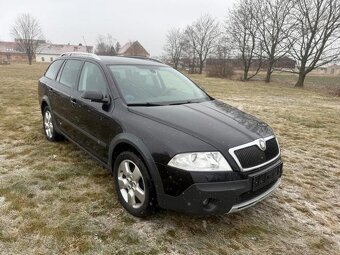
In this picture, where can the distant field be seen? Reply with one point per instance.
(54, 199)
(326, 84)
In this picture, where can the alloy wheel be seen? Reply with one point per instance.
(131, 183)
(48, 124)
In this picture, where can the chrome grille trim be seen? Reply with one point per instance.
(255, 142)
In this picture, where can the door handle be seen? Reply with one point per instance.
(51, 90)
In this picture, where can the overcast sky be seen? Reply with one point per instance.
(67, 21)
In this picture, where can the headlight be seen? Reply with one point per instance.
(200, 161)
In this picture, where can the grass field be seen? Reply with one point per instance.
(54, 199)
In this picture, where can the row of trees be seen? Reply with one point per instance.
(262, 31)
(107, 45)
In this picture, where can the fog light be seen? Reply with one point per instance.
(206, 201)
(209, 204)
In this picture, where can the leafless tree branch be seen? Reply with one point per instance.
(106, 45)
(273, 21)
(175, 43)
(316, 35)
(27, 34)
(241, 26)
(201, 38)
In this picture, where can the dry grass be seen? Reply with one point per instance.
(321, 83)
(54, 199)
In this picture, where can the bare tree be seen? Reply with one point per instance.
(189, 49)
(220, 64)
(274, 28)
(117, 47)
(106, 45)
(244, 32)
(89, 49)
(202, 35)
(27, 34)
(175, 43)
(316, 35)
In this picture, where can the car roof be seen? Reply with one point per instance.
(118, 60)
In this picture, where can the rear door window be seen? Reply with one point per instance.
(53, 69)
(70, 73)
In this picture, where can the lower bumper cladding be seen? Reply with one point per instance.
(255, 200)
(225, 197)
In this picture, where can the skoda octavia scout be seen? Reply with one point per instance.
(167, 142)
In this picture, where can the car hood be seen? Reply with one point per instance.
(213, 122)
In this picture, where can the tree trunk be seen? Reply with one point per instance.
(301, 80)
(30, 57)
(269, 72)
(193, 65)
(224, 68)
(201, 66)
(176, 65)
(245, 73)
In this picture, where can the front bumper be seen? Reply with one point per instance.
(255, 200)
(225, 197)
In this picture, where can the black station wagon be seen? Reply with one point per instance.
(167, 142)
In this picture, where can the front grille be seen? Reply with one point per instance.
(253, 156)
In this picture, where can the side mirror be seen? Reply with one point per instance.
(96, 96)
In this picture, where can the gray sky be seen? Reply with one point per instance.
(67, 21)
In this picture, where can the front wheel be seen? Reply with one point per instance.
(133, 184)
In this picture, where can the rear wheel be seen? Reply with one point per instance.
(133, 184)
(48, 125)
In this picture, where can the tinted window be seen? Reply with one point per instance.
(92, 79)
(155, 84)
(53, 69)
(70, 73)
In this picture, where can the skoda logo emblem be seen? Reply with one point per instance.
(262, 144)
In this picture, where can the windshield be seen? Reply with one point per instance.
(154, 85)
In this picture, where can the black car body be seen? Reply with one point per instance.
(108, 126)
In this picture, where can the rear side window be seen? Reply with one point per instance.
(53, 69)
(70, 73)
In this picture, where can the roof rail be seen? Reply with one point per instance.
(141, 57)
(80, 54)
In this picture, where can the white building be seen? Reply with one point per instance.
(48, 52)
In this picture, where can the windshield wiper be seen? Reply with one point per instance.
(183, 102)
(145, 104)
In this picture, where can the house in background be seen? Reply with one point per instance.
(133, 49)
(332, 69)
(9, 52)
(48, 52)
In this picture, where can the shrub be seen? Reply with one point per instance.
(220, 70)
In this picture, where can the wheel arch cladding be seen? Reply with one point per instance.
(44, 102)
(125, 141)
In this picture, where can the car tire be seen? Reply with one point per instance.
(133, 185)
(49, 126)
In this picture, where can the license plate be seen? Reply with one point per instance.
(266, 178)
